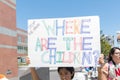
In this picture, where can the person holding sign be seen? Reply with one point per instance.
(66, 73)
(111, 69)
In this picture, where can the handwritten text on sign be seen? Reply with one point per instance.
(64, 41)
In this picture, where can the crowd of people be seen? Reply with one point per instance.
(107, 71)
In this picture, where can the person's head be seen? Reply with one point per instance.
(66, 73)
(114, 55)
(3, 77)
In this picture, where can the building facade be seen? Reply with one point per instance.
(21, 46)
(8, 38)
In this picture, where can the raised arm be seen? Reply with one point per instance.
(34, 74)
(103, 69)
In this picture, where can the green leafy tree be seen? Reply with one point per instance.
(105, 46)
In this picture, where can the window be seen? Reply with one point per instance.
(26, 40)
(19, 39)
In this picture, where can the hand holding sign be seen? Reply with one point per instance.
(101, 59)
(27, 60)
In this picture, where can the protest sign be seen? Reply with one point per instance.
(71, 41)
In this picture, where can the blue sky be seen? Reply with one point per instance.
(107, 10)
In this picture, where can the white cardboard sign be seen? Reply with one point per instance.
(71, 41)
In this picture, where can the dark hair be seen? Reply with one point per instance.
(111, 53)
(70, 69)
